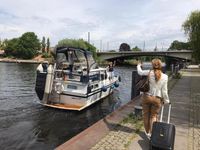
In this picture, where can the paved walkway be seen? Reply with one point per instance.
(185, 98)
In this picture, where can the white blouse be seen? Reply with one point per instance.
(156, 88)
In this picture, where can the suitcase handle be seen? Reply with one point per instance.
(169, 113)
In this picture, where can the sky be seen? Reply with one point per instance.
(142, 23)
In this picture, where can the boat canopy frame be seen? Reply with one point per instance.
(87, 55)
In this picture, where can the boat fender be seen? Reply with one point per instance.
(49, 79)
(39, 68)
(104, 89)
(119, 78)
(40, 84)
(45, 66)
(89, 89)
(59, 88)
(116, 84)
(112, 86)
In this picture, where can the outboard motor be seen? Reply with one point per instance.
(41, 80)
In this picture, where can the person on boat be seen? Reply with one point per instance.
(111, 69)
(64, 76)
(157, 94)
(71, 61)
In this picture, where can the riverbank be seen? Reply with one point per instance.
(36, 60)
(112, 133)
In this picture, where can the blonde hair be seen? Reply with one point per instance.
(157, 67)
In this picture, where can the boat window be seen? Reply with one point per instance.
(71, 56)
(61, 57)
(71, 87)
(80, 57)
(94, 76)
(72, 65)
(91, 61)
(75, 58)
(61, 60)
(102, 77)
(106, 76)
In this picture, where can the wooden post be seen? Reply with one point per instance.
(135, 78)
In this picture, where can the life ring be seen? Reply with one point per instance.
(59, 88)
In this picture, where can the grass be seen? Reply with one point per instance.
(130, 119)
(137, 125)
(177, 75)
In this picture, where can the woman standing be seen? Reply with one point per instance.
(111, 69)
(157, 94)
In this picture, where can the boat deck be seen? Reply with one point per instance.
(64, 106)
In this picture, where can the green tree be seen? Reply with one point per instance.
(192, 29)
(80, 43)
(48, 45)
(124, 47)
(136, 49)
(4, 43)
(43, 44)
(112, 50)
(26, 46)
(91, 48)
(29, 45)
(72, 43)
(177, 45)
(11, 47)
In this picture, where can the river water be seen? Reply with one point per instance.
(25, 124)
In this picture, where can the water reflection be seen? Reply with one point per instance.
(25, 124)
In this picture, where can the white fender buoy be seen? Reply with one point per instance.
(49, 79)
(104, 88)
(39, 68)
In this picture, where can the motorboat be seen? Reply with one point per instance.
(74, 81)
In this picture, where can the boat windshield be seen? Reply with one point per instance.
(91, 62)
(75, 58)
(74, 65)
(71, 65)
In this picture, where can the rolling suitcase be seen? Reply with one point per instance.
(163, 134)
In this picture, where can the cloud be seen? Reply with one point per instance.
(109, 22)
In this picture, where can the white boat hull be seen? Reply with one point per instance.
(74, 102)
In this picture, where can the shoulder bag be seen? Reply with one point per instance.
(143, 84)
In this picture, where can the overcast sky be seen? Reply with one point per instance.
(110, 22)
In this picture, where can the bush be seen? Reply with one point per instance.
(25, 47)
(177, 75)
(80, 43)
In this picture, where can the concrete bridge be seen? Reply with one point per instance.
(177, 54)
